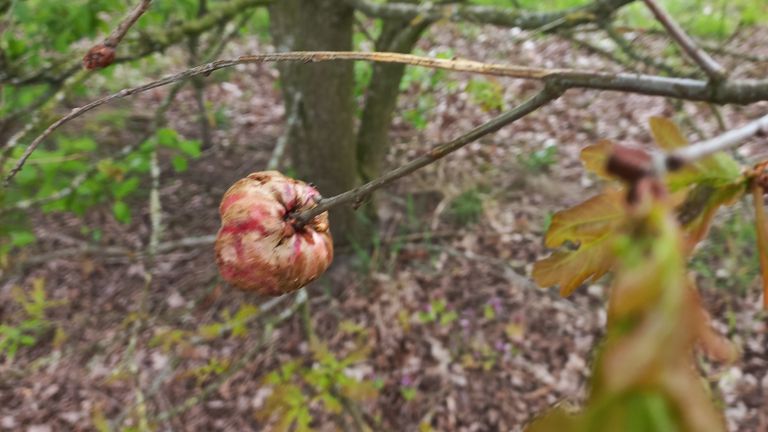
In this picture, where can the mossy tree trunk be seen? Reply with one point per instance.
(322, 142)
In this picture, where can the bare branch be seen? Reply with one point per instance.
(437, 152)
(503, 17)
(709, 65)
(719, 143)
(739, 92)
(113, 40)
(290, 125)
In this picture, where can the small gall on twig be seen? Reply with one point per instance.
(103, 54)
(98, 57)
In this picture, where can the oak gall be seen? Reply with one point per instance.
(259, 248)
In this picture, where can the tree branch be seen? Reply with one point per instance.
(103, 54)
(548, 94)
(503, 17)
(155, 42)
(711, 67)
(113, 40)
(738, 92)
(719, 143)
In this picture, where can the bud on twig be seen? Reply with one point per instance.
(98, 57)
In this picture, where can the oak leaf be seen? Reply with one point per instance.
(591, 225)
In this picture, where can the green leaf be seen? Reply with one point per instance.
(167, 137)
(408, 393)
(448, 317)
(594, 157)
(588, 221)
(121, 189)
(332, 405)
(190, 147)
(22, 238)
(700, 206)
(488, 312)
(592, 225)
(84, 144)
(122, 212)
(179, 163)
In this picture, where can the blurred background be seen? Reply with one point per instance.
(112, 313)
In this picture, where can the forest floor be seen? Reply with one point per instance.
(440, 317)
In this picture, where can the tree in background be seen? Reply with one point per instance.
(659, 207)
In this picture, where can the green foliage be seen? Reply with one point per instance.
(213, 367)
(725, 260)
(467, 208)
(235, 325)
(704, 18)
(539, 160)
(31, 323)
(437, 312)
(654, 315)
(72, 172)
(585, 234)
(425, 82)
(486, 93)
(654, 322)
(325, 383)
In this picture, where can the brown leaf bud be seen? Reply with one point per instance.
(98, 57)
(629, 164)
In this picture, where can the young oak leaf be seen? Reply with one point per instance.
(717, 170)
(592, 226)
(700, 206)
(595, 156)
(654, 334)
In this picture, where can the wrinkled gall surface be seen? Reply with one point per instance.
(258, 247)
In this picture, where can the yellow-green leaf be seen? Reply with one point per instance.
(717, 170)
(588, 221)
(595, 156)
(700, 206)
(592, 226)
(666, 133)
(571, 269)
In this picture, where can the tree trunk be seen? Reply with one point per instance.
(382, 94)
(322, 143)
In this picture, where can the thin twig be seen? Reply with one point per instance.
(500, 16)
(148, 44)
(103, 54)
(355, 195)
(58, 93)
(94, 167)
(155, 207)
(290, 125)
(719, 143)
(708, 64)
(740, 91)
(113, 40)
(630, 51)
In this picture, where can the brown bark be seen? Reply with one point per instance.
(381, 97)
(322, 143)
